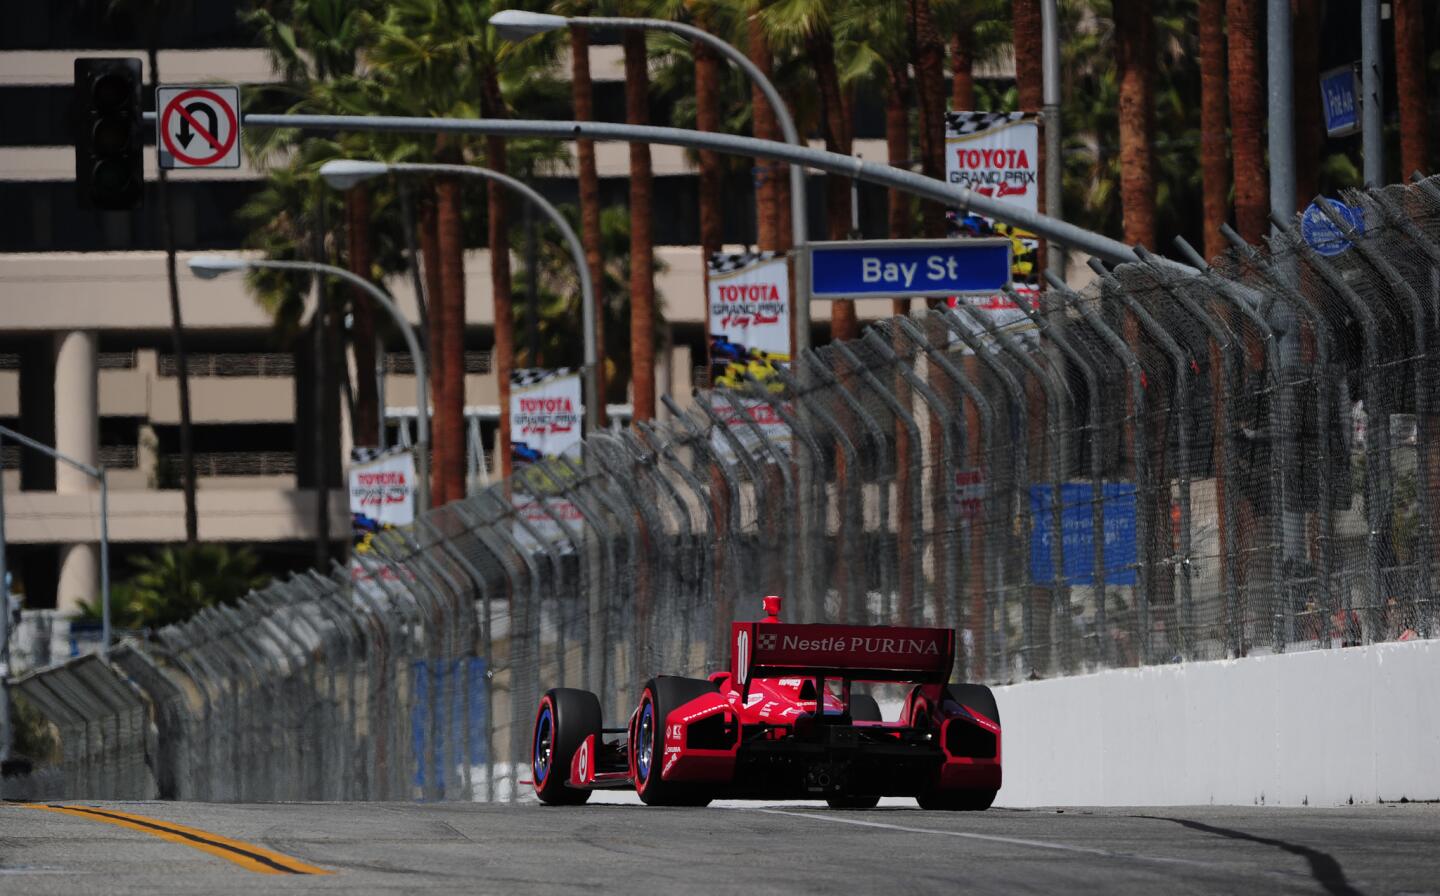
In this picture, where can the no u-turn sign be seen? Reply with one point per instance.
(198, 127)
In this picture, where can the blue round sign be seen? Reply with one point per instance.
(1322, 234)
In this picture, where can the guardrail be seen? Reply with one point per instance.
(1166, 466)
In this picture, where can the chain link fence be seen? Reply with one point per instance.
(1170, 465)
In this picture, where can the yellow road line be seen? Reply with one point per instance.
(246, 855)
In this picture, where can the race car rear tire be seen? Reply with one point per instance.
(663, 694)
(957, 800)
(863, 708)
(977, 697)
(565, 717)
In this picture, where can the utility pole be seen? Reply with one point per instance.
(1050, 112)
(1372, 106)
(1280, 60)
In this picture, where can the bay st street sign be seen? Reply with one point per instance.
(884, 269)
(198, 127)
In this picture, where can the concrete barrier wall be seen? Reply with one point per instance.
(1319, 728)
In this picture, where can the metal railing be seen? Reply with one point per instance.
(1166, 466)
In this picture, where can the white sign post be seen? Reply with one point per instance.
(198, 126)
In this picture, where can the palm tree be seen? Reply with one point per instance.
(445, 58)
(583, 102)
(558, 291)
(1247, 119)
(767, 181)
(1135, 57)
(877, 37)
(1214, 155)
(1029, 51)
(1410, 87)
(929, 57)
(642, 242)
(805, 27)
(1309, 125)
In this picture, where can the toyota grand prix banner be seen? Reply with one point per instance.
(545, 414)
(997, 154)
(382, 488)
(748, 309)
(382, 491)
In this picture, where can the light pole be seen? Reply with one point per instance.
(208, 267)
(517, 24)
(98, 474)
(952, 195)
(343, 174)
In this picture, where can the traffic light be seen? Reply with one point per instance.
(109, 165)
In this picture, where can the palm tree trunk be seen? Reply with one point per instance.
(1135, 57)
(366, 421)
(707, 118)
(582, 95)
(642, 260)
(177, 330)
(1309, 123)
(929, 52)
(1214, 154)
(767, 174)
(1410, 87)
(1029, 44)
(1135, 54)
(962, 59)
(438, 370)
(897, 150)
(492, 105)
(1029, 48)
(820, 49)
(449, 322)
(1247, 119)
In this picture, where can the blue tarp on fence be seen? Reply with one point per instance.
(1078, 527)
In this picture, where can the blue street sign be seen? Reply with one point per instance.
(1340, 99)
(1322, 234)
(885, 269)
(1077, 527)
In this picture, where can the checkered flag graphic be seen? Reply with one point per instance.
(960, 123)
(363, 454)
(534, 376)
(726, 262)
(765, 642)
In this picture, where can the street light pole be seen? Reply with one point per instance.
(516, 24)
(345, 173)
(1103, 247)
(96, 473)
(208, 267)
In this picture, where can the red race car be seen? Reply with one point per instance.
(757, 731)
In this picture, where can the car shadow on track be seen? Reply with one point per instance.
(1323, 866)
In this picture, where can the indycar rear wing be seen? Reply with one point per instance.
(855, 652)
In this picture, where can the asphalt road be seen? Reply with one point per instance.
(472, 848)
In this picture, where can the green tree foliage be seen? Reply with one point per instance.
(559, 293)
(176, 582)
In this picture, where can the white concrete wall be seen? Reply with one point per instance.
(1319, 728)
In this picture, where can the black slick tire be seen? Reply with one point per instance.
(564, 718)
(661, 695)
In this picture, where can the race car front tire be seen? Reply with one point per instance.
(565, 717)
(663, 694)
